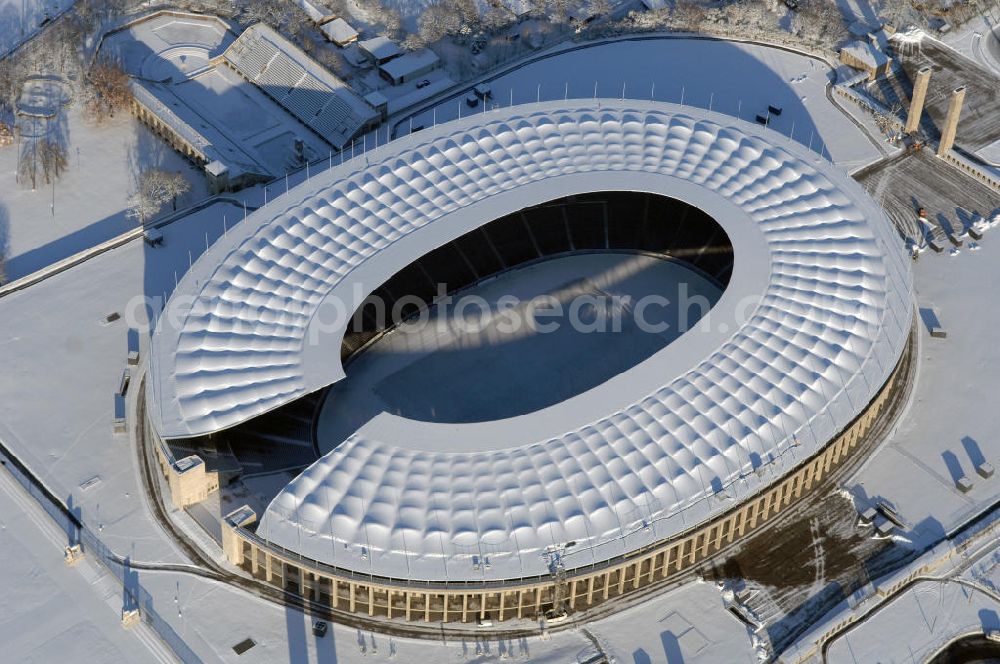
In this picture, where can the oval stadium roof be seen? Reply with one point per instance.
(820, 303)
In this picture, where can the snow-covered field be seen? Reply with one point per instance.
(89, 197)
(448, 370)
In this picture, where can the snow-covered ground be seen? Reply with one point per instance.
(736, 79)
(90, 195)
(20, 19)
(951, 426)
(978, 39)
(56, 348)
(49, 610)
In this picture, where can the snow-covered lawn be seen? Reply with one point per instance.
(90, 196)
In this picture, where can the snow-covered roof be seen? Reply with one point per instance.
(518, 7)
(866, 53)
(305, 89)
(629, 462)
(314, 10)
(376, 98)
(405, 65)
(380, 47)
(339, 31)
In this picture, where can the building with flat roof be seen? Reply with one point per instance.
(409, 66)
(380, 50)
(865, 56)
(339, 32)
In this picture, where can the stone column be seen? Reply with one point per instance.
(951, 122)
(917, 102)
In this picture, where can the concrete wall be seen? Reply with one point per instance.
(187, 478)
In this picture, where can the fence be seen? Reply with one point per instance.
(77, 533)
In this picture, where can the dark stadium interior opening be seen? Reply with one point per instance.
(601, 282)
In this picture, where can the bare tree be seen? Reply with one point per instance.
(52, 156)
(27, 165)
(109, 90)
(175, 185)
(688, 15)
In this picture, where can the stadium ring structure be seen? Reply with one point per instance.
(606, 491)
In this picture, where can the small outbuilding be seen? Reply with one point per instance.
(864, 56)
(339, 32)
(409, 67)
(380, 50)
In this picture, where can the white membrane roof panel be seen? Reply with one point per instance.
(820, 303)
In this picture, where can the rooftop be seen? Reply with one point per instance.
(339, 31)
(636, 459)
(381, 47)
(867, 53)
(406, 64)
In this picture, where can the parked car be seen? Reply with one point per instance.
(472, 100)
(424, 83)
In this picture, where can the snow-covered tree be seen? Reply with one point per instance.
(154, 188)
(819, 21)
(388, 17)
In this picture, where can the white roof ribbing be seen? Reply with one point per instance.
(627, 463)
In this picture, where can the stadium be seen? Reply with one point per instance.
(471, 473)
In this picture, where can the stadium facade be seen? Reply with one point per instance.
(611, 489)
